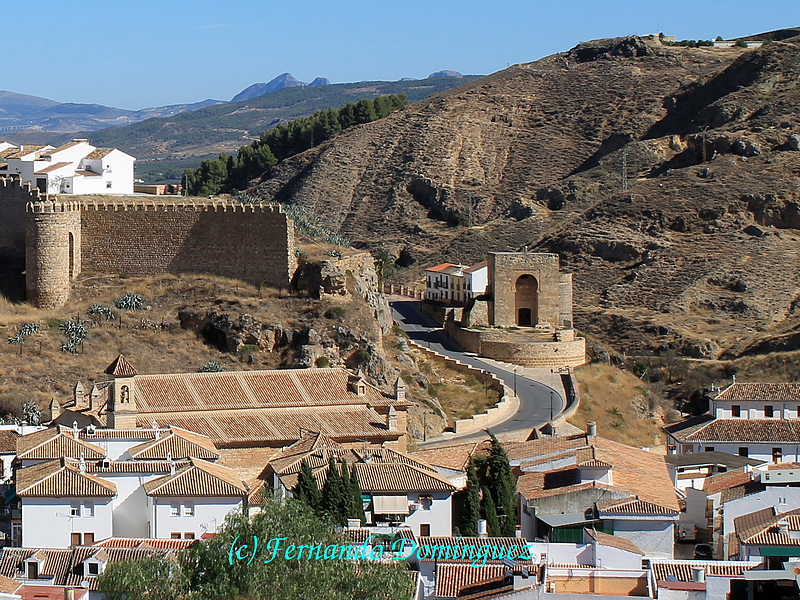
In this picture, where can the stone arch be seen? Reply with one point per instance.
(526, 301)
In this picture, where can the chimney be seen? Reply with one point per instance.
(783, 527)
(482, 529)
(591, 429)
(699, 574)
(353, 523)
(94, 397)
(69, 593)
(79, 396)
(518, 531)
(392, 419)
(400, 390)
(55, 409)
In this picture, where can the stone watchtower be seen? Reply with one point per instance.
(527, 290)
(122, 410)
(52, 251)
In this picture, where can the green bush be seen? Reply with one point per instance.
(361, 355)
(336, 312)
(211, 366)
(130, 302)
(101, 310)
(322, 362)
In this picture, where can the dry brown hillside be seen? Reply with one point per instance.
(698, 254)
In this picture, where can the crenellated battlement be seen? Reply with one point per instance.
(148, 206)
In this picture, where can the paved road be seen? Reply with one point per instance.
(538, 402)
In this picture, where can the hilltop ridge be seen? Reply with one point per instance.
(696, 253)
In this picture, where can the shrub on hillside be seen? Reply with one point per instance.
(130, 302)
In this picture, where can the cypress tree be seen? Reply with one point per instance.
(356, 505)
(502, 486)
(333, 494)
(472, 503)
(490, 514)
(307, 489)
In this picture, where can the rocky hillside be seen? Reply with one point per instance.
(696, 251)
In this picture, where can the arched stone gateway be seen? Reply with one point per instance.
(526, 301)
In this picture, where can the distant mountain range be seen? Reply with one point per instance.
(226, 126)
(35, 114)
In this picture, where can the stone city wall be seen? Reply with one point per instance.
(14, 196)
(251, 243)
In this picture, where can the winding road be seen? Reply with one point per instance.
(539, 403)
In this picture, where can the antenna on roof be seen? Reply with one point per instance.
(75, 429)
(82, 463)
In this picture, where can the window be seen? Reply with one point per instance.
(188, 509)
(94, 568)
(709, 448)
(424, 530)
(175, 535)
(75, 510)
(75, 539)
(744, 451)
(108, 184)
(768, 411)
(175, 509)
(88, 509)
(189, 535)
(736, 410)
(33, 570)
(88, 538)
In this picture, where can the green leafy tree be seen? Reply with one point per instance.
(385, 266)
(307, 489)
(210, 570)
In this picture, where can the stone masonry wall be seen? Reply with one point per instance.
(14, 196)
(504, 270)
(251, 243)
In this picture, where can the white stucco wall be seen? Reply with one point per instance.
(438, 513)
(654, 538)
(209, 515)
(46, 522)
(783, 498)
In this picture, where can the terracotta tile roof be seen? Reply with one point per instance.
(252, 390)
(249, 463)
(87, 173)
(440, 268)
(441, 547)
(476, 267)
(199, 478)
(688, 426)
(99, 153)
(613, 541)
(133, 466)
(632, 507)
(752, 523)
(761, 529)
(99, 434)
(259, 493)
(25, 151)
(681, 570)
(53, 167)
(744, 430)
(450, 457)
(8, 585)
(66, 146)
(733, 544)
(120, 368)
(56, 563)
(229, 428)
(58, 479)
(147, 543)
(56, 442)
(757, 392)
(8, 152)
(456, 580)
(179, 443)
(384, 477)
(628, 466)
(8, 441)
(723, 481)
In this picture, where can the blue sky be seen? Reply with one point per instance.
(139, 53)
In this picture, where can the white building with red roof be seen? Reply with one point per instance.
(73, 168)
